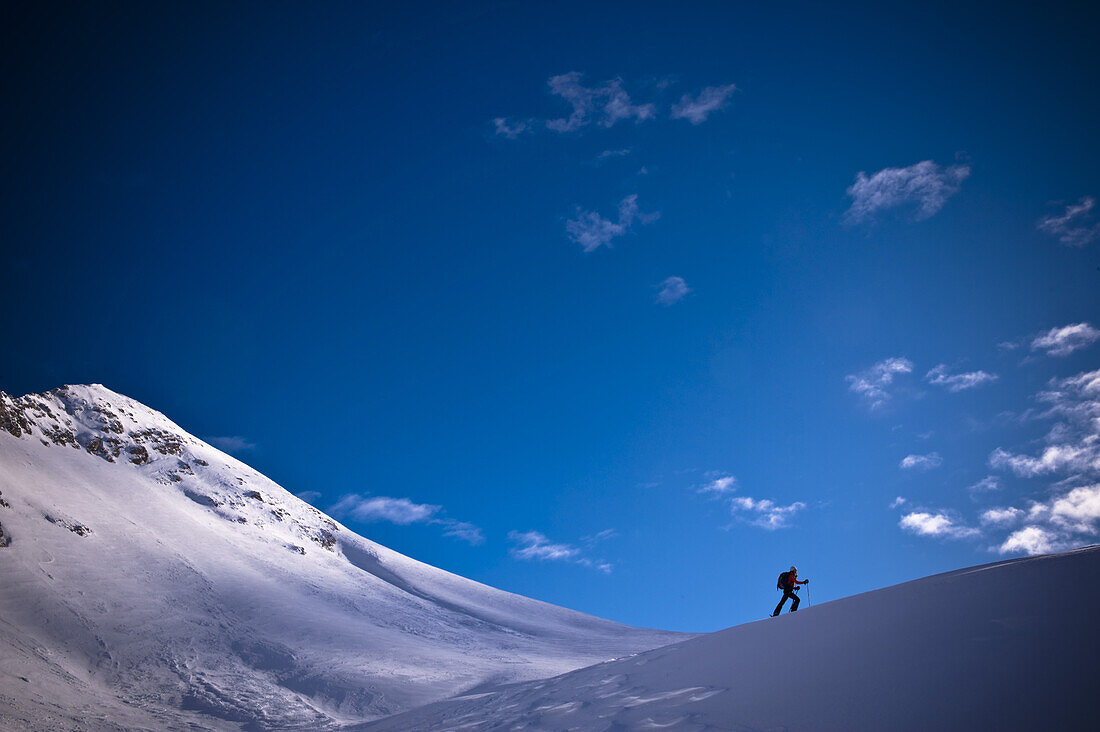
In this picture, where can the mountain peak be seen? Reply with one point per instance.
(186, 582)
(94, 418)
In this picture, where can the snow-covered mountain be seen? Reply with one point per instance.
(150, 581)
(1006, 646)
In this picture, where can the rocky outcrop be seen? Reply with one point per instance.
(13, 415)
(5, 540)
(77, 528)
(69, 417)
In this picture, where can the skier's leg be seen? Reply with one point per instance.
(794, 602)
(779, 607)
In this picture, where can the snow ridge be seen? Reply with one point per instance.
(156, 582)
(1006, 646)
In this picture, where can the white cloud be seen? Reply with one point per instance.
(923, 523)
(1072, 516)
(1029, 540)
(764, 513)
(697, 109)
(924, 186)
(232, 445)
(399, 511)
(958, 382)
(1001, 516)
(309, 496)
(613, 154)
(1053, 459)
(899, 501)
(1067, 339)
(608, 103)
(534, 545)
(986, 484)
(921, 462)
(606, 534)
(511, 128)
(601, 565)
(872, 384)
(1062, 522)
(673, 289)
(461, 530)
(1073, 442)
(403, 512)
(1073, 227)
(721, 485)
(592, 231)
(1077, 511)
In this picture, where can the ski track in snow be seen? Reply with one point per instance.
(154, 582)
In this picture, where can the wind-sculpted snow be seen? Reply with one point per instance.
(1007, 646)
(153, 582)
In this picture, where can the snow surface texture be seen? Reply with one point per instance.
(1007, 646)
(154, 582)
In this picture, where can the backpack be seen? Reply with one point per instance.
(781, 583)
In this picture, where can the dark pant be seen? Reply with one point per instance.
(794, 602)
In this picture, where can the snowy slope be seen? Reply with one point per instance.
(1007, 646)
(153, 582)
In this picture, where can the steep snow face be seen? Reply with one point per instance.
(1008, 646)
(149, 581)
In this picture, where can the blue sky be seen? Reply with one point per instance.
(626, 308)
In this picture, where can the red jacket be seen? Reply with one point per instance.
(792, 580)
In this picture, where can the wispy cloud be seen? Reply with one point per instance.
(607, 103)
(404, 512)
(696, 109)
(232, 445)
(1001, 516)
(985, 485)
(534, 545)
(940, 376)
(1062, 522)
(1053, 459)
(873, 384)
(463, 530)
(764, 513)
(898, 502)
(592, 231)
(923, 187)
(1062, 515)
(598, 537)
(1073, 227)
(613, 154)
(309, 496)
(511, 128)
(720, 486)
(1073, 441)
(921, 462)
(938, 524)
(400, 511)
(673, 289)
(1065, 340)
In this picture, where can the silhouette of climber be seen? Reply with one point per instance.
(788, 582)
